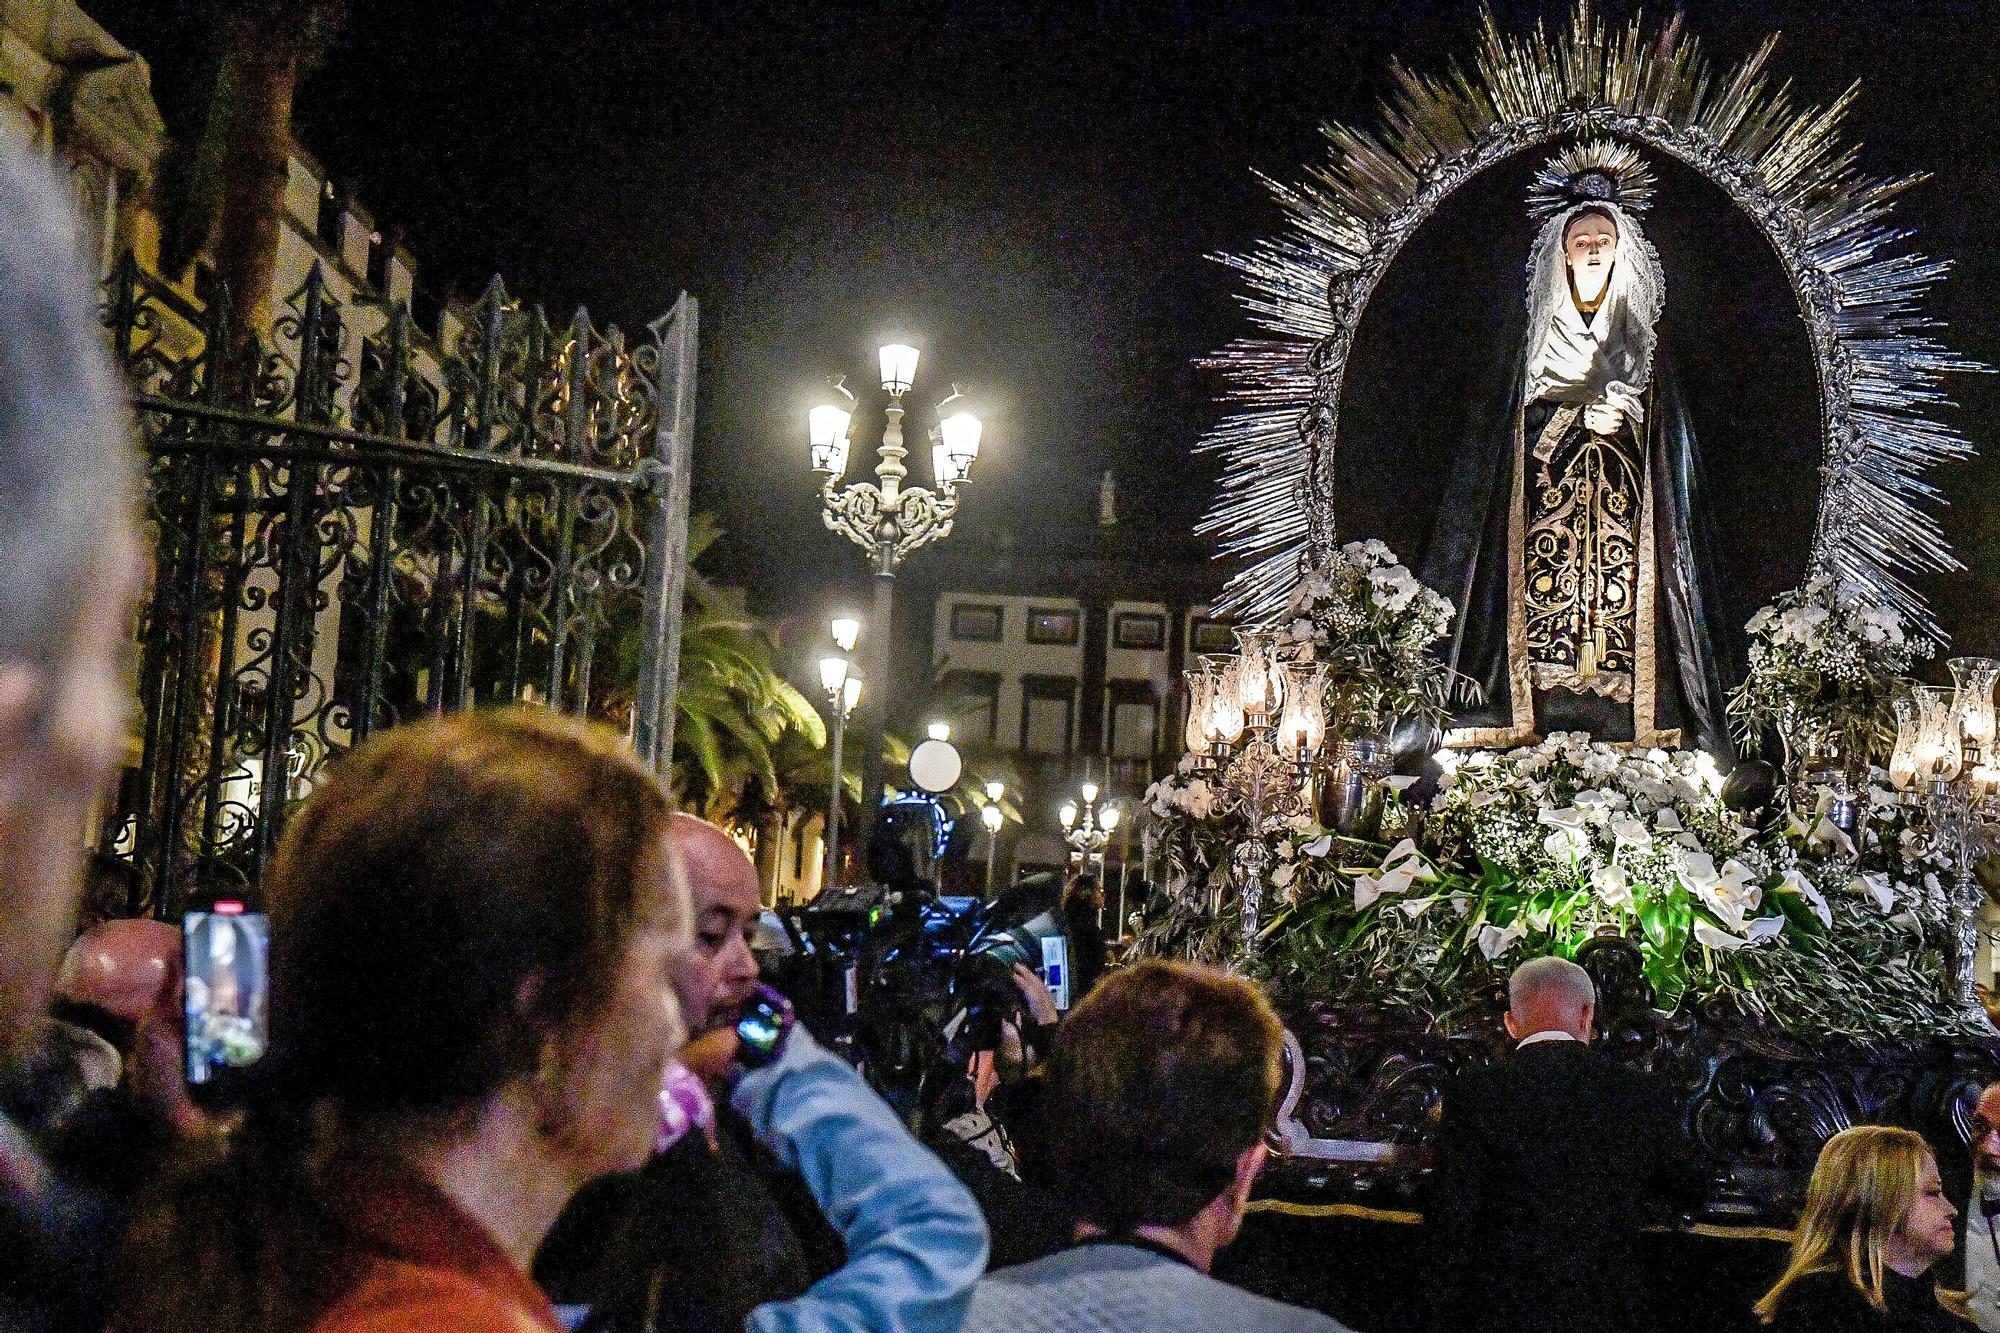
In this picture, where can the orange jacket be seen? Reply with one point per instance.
(420, 1265)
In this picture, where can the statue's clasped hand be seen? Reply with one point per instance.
(1603, 419)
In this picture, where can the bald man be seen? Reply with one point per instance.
(1980, 1240)
(1549, 1162)
(715, 980)
(721, 1230)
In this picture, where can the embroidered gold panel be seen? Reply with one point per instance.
(1585, 498)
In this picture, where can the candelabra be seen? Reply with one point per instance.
(1088, 839)
(842, 689)
(1944, 764)
(886, 518)
(1256, 726)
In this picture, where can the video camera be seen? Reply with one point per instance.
(907, 983)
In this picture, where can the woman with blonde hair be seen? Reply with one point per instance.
(1876, 1219)
(474, 923)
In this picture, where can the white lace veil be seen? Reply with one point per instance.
(1621, 363)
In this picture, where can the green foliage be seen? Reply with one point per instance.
(1537, 851)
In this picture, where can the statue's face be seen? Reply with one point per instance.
(1589, 245)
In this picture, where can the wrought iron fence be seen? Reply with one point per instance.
(356, 522)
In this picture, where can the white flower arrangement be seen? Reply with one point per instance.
(1535, 850)
(1824, 661)
(1370, 620)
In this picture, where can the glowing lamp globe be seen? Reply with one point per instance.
(827, 425)
(832, 674)
(899, 368)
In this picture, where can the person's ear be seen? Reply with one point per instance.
(1589, 1016)
(1513, 1029)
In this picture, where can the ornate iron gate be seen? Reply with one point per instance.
(358, 523)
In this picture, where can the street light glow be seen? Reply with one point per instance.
(939, 731)
(1067, 814)
(1089, 790)
(957, 448)
(1107, 818)
(853, 692)
(995, 790)
(899, 368)
(846, 633)
(827, 425)
(990, 816)
(832, 674)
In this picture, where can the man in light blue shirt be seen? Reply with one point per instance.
(1162, 1083)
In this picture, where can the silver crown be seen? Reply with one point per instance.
(1597, 171)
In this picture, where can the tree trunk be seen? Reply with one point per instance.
(253, 98)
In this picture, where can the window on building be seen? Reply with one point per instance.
(1048, 714)
(1134, 629)
(1135, 719)
(1052, 624)
(977, 622)
(970, 702)
(1206, 635)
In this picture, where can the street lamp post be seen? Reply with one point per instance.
(1088, 839)
(842, 689)
(888, 519)
(989, 815)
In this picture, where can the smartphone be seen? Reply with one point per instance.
(227, 951)
(1055, 968)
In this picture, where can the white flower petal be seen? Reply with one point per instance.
(1717, 939)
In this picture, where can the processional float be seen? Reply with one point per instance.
(1407, 780)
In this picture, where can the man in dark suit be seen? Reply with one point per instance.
(1548, 1165)
(1972, 1174)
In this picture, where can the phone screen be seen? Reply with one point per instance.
(1055, 968)
(228, 958)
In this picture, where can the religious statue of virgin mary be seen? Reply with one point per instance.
(1573, 536)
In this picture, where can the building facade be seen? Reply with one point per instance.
(1066, 667)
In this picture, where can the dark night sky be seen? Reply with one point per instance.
(1028, 193)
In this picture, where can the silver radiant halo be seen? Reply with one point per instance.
(1788, 165)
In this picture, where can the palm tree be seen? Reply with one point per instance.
(229, 194)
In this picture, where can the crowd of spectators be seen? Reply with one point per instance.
(523, 1072)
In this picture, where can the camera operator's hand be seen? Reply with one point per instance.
(1035, 993)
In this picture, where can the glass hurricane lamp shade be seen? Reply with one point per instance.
(1938, 755)
(1089, 790)
(955, 448)
(1067, 814)
(832, 674)
(1225, 720)
(990, 816)
(899, 368)
(1107, 818)
(827, 425)
(1201, 691)
(852, 692)
(846, 633)
(1302, 726)
(1260, 678)
(1973, 704)
(995, 790)
(1903, 758)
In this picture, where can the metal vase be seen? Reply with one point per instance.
(1350, 786)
